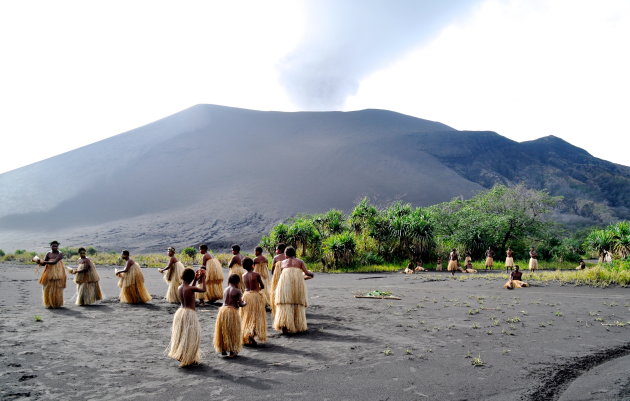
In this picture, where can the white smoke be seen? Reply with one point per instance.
(345, 40)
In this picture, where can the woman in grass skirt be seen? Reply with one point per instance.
(131, 282)
(236, 265)
(86, 278)
(214, 277)
(173, 276)
(53, 279)
(275, 273)
(290, 296)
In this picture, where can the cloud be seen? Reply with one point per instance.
(345, 41)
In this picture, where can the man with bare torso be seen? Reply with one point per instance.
(453, 262)
(533, 259)
(509, 259)
(53, 279)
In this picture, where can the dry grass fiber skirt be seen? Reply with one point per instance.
(185, 337)
(254, 317)
(227, 330)
(291, 301)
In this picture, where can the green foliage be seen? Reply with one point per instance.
(191, 252)
(19, 252)
(302, 234)
(91, 251)
(1, 253)
(614, 239)
(339, 249)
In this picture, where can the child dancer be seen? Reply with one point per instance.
(186, 331)
(227, 329)
(253, 315)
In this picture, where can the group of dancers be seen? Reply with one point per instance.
(454, 266)
(242, 319)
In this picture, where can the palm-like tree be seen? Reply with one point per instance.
(601, 241)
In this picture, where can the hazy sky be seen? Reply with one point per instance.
(75, 72)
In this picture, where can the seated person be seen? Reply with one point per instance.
(409, 269)
(515, 280)
(419, 267)
(468, 268)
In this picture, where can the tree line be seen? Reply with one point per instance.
(498, 218)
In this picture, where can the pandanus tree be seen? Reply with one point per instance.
(601, 241)
(621, 241)
(340, 248)
(303, 233)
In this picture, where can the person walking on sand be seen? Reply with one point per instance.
(253, 314)
(261, 266)
(275, 273)
(131, 282)
(53, 279)
(173, 276)
(236, 265)
(291, 298)
(214, 277)
(533, 259)
(186, 331)
(489, 258)
(86, 278)
(515, 280)
(228, 329)
(453, 262)
(509, 259)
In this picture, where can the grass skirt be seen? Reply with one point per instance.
(53, 281)
(438, 267)
(274, 284)
(185, 337)
(468, 258)
(227, 330)
(132, 289)
(173, 277)
(291, 301)
(261, 268)
(214, 281)
(88, 288)
(509, 262)
(511, 284)
(238, 269)
(254, 317)
(489, 261)
(533, 264)
(452, 265)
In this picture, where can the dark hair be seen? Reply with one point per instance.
(125, 252)
(188, 275)
(259, 249)
(236, 248)
(81, 250)
(516, 267)
(234, 279)
(290, 252)
(54, 243)
(203, 247)
(281, 246)
(248, 264)
(454, 250)
(410, 265)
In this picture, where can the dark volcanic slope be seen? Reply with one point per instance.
(217, 174)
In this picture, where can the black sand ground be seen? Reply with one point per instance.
(544, 342)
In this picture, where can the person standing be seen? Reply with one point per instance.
(291, 298)
(214, 277)
(173, 276)
(489, 258)
(186, 331)
(509, 259)
(533, 259)
(253, 315)
(261, 266)
(53, 279)
(228, 328)
(86, 278)
(131, 282)
(453, 262)
(275, 273)
(236, 265)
